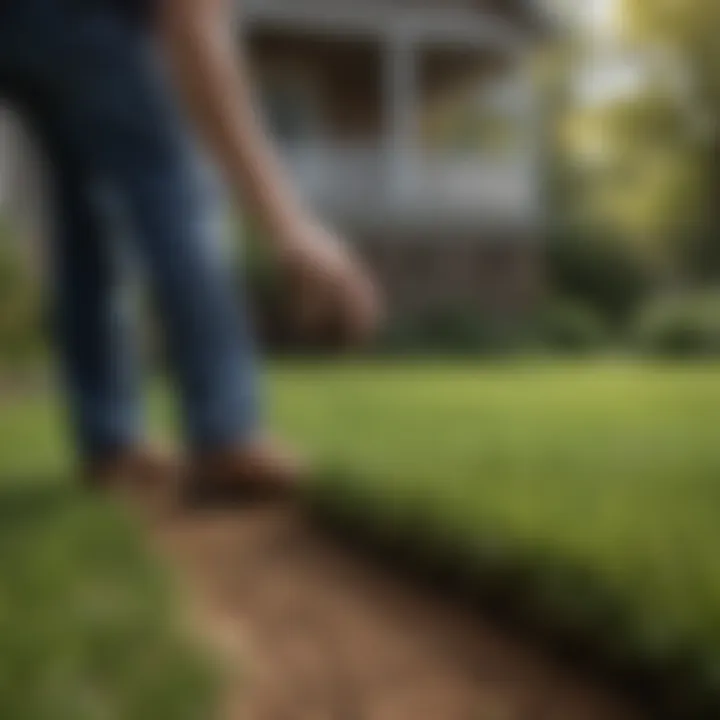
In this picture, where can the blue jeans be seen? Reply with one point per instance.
(91, 85)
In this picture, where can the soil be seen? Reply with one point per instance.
(309, 630)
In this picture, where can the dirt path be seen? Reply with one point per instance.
(311, 632)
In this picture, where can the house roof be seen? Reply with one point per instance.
(501, 23)
(531, 14)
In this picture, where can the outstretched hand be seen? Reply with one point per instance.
(329, 284)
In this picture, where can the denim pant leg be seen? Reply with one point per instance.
(90, 326)
(92, 311)
(137, 140)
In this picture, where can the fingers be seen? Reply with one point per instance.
(332, 290)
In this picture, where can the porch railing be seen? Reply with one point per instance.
(385, 185)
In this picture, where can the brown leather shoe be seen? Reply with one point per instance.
(142, 473)
(262, 469)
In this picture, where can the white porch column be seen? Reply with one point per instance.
(529, 118)
(402, 137)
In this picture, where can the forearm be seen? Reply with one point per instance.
(201, 46)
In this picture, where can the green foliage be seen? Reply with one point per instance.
(20, 327)
(559, 326)
(680, 42)
(603, 273)
(440, 330)
(567, 326)
(688, 30)
(644, 160)
(449, 330)
(681, 325)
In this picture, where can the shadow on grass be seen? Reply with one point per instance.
(28, 501)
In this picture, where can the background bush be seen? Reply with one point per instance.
(567, 326)
(451, 330)
(561, 325)
(604, 273)
(682, 325)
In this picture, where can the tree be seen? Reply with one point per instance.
(681, 40)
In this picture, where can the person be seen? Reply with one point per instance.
(131, 101)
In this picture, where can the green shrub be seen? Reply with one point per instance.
(602, 272)
(564, 326)
(567, 326)
(680, 325)
(449, 330)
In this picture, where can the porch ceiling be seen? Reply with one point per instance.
(455, 26)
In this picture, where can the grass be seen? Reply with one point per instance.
(590, 490)
(88, 628)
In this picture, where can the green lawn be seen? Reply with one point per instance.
(595, 486)
(89, 629)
